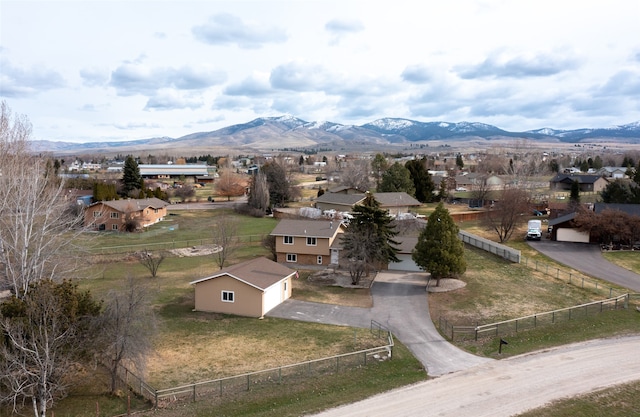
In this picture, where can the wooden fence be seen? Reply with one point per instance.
(455, 332)
(234, 385)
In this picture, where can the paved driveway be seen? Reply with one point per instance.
(587, 258)
(400, 303)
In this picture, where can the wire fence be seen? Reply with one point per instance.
(457, 332)
(289, 374)
(573, 278)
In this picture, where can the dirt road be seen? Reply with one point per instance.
(510, 386)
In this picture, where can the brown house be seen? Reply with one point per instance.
(113, 215)
(249, 289)
(307, 242)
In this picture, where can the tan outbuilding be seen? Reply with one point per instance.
(250, 288)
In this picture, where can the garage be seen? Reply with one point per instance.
(572, 235)
(406, 264)
(406, 245)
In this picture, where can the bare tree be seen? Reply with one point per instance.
(151, 262)
(127, 326)
(36, 227)
(259, 192)
(507, 212)
(230, 184)
(356, 175)
(481, 190)
(225, 237)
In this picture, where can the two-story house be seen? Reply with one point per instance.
(114, 215)
(308, 242)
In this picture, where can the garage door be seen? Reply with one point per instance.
(572, 235)
(405, 264)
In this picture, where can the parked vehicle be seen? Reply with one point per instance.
(534, 230)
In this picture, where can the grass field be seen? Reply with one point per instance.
(184, 351)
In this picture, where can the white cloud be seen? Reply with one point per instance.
(172, 64)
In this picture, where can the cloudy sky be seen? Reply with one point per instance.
(109, 70)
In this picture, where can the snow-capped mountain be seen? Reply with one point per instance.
(287, 131)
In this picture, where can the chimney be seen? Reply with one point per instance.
(330, 225)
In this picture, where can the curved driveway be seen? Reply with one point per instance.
(400, 303)
(587, 258)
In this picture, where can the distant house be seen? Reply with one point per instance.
(593, 183)
(308, 242)
(613, 172)
(397, 202)
(338, 201)
(166, 171)
(251, 288)
(113, 215)
(343, 189)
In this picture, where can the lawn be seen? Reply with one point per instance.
(184, 351)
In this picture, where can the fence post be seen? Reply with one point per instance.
(194, 393)
(155, 395)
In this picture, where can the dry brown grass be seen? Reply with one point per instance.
(328, 293)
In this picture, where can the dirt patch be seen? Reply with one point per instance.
(446, 285)
(339, 278)
(201, 250)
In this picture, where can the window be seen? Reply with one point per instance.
(114, 215)
(285, 286)
(97, 214)
(114, 227)
(311, 241)
(288, 240)
(319, 260)
(292, 257)
(227, 296)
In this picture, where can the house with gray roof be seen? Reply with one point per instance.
(307, 242)
(396, 202)
(338, 201)
(113, 215)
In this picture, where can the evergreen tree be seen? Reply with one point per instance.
(442, 190)
(422, 181)
(131, 175)
(368, 240)
(439, 250)
(397, 178)
(574, 197)
(459, 161)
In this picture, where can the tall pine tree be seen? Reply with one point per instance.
(131, 178)
(368, 241)
(439, 250)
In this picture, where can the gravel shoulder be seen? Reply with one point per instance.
(510, 386)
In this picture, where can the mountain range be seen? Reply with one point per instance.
(287, 132)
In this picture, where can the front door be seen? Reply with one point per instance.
(335, 256)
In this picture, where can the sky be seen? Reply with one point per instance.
(91, 71)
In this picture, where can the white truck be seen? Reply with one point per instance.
(534, 230)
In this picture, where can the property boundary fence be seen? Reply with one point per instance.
(455, 332)
(503, 251)
(251, 381)
(572, 278)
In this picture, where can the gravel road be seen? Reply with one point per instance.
(510, 386)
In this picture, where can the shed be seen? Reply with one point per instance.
(250, 288)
